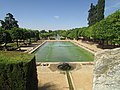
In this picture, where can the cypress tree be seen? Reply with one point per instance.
(100, 10)
(92, 17)
(96, 12)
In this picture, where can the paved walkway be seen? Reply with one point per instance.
(83, 78)
(91, 46)
(49, 79)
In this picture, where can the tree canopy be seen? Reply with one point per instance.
(9, 22)
(105, 32)
(96, 12)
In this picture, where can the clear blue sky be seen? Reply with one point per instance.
(52, 14)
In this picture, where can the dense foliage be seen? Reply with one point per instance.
(96, 12)
(100, 10)
(17, 71)
(10, 32)
(18, 35)
(105, 32)
(48, 34)
(9, 22)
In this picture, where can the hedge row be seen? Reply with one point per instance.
(17, 71)
(105, 33)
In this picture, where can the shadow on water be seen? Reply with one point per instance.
(47, 86)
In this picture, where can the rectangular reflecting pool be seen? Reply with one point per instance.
(62, 52)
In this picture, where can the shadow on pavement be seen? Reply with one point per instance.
(48, 86)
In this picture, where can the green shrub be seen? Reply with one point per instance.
(52, 38)
(62, 38)
(17, 71)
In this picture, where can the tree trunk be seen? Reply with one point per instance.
(5, 46)
(30, 41)
(17, 43)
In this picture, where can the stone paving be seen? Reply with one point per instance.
(56, 80)
(49, 80)
(82, 78)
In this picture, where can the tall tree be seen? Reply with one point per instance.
(92, 17)
(96, 12)
(100, 10)
(9, 22)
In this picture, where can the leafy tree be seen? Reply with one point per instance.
(17, 34)
(64, 33)
(43, 31)
(70, 34)
(37, 35)
(6, 38)
(75, 33)
(107, 31)
(1, 34)
(50, 31)
(26, 35)
(9, 22)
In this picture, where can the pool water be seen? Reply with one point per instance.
(62, 52)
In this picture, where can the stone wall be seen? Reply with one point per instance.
(107, 70)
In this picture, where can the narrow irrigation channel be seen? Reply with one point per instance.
(67, 68)
(69, 81)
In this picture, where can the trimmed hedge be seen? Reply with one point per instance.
(17, 71)
(62, 38)
(52, 38)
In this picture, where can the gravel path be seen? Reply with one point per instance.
(88, 45)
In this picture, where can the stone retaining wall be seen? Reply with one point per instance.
(107, 70)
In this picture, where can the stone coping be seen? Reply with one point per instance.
(89, 50)
(48, 63)
(34, 49)
(31, 50)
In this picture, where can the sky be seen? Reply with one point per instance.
(52, 14)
